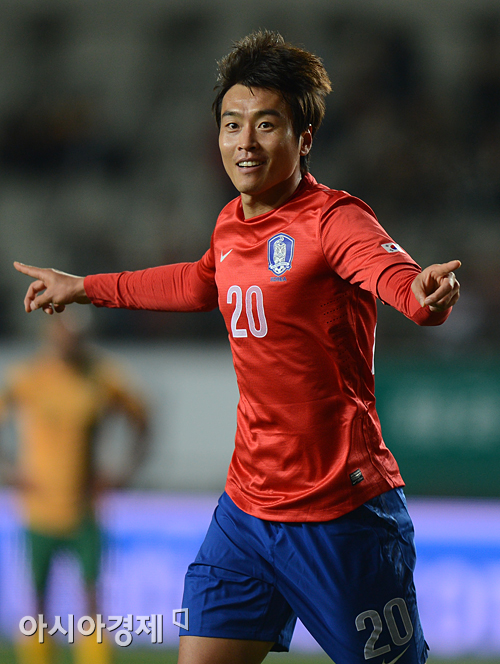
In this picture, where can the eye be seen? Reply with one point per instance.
(266, 125)
(231, 126)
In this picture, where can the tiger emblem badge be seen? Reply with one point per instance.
(280, 253)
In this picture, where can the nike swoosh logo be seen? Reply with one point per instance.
(223, 256)
(393, 661)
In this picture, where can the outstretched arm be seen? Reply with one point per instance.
(52, 289)
(176, 287)
(437, 287)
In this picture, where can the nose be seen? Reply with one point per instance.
(248, 139)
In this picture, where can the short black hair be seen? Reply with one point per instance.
(264, 59)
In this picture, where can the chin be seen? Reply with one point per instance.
(245, 188)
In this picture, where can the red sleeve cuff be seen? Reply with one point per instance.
(394, 288)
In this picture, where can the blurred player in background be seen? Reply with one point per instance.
(313, 522)
(58, 399)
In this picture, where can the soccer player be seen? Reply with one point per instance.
(58, 398)
(313, 521)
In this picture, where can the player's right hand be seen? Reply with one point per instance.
(437, 287)
(52, 289)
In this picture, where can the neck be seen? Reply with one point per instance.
(271, 199)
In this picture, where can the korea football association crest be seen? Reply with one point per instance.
(280, 253)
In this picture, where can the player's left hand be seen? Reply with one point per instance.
(437, 287)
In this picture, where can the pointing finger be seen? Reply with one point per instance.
(444, 268)
(30, 270)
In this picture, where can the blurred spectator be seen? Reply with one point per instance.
(58, 399)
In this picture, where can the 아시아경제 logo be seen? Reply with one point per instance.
(280, 253)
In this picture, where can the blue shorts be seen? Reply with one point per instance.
(349, 580)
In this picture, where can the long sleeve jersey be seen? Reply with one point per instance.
(297, 288)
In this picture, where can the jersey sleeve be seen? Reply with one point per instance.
(361, 252)
(176, 287)
(356, 246)
(394, 288)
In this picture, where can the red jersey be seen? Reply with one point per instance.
(297, 287)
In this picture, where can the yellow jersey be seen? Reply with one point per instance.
(58, 407)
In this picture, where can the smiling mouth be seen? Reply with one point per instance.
(249, 164)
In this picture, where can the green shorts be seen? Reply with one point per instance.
(84, 542)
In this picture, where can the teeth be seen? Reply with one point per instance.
(246, 164)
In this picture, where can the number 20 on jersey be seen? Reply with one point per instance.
(240, 326)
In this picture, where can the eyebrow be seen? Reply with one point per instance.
(265, 111)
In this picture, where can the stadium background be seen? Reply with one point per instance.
(108, 161)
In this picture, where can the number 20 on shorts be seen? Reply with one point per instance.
(378, 625)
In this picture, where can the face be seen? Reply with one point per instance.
(260, 151)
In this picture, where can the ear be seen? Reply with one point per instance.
(305, 143)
